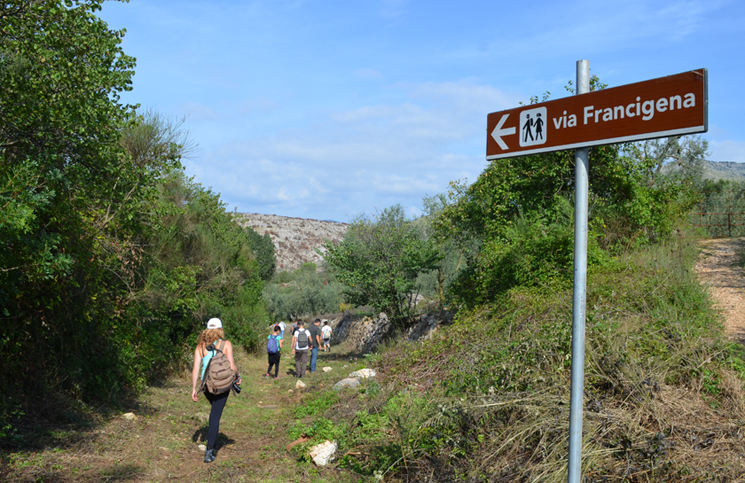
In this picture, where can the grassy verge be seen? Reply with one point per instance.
(487, 400)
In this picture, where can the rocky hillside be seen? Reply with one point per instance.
(717, 170)
(295, 239)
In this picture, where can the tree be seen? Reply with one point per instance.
(110, 258)
(304, 292)
(520, 211)
(68, 197)
(434, 285)
(379, 261)
(263, 249)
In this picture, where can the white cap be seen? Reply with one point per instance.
(214, 324)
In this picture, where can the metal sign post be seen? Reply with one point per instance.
(581, 194)
(667, 106)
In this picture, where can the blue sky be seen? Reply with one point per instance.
(327, 109)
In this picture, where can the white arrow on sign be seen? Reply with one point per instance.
(499, 132)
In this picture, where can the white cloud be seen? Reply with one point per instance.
(388, 153)
(198, 112)
(393, 8)
(249, 106)
(467, 97)
(727, 150)
(590, 27)
(367, 73)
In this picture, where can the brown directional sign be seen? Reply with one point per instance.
(668, 106)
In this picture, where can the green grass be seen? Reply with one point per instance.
(487, 400)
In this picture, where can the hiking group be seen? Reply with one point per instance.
(214, 371)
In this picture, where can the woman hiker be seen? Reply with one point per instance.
(273, 349)
(212, 338)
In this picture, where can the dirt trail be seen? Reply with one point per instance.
(720, 267)
(161, 444)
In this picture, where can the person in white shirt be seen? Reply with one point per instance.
(302, 343)
(326, 331)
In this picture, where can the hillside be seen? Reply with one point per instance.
(295, 239)
(717, 170)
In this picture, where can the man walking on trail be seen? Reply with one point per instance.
(301, 343)
(326, 334)
(315, 333)
(282, 327)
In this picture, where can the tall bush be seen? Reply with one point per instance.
(110, 258)
(379, 261)
(305, 292)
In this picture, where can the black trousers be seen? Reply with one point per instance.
(274, 361)
(218, 404)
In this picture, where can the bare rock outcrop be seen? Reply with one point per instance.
(295, 239)
(367, 333)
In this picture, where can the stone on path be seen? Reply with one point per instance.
(348, 382)
(364, 373)
(129, 416)
(202, 447)
(327, 369)
(323, 453)
(300, 384)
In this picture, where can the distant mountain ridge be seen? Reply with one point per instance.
(717, 170)
(295, 239)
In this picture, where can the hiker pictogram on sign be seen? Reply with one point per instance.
(533, 126)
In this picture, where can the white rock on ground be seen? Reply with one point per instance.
(348, 382)
(300, 384)
(202, 447)
(364, 373)
(327, 369)
(323, 453)
(129, 416)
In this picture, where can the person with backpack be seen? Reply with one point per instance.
(326, 331)
(214, 354)
(301, 344)
(273, 349)
(315, 335)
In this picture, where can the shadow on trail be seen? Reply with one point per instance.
(200, 436)
(117, 472)
(58, 421)
(323, 357)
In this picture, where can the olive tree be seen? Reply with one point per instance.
(379, 261)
